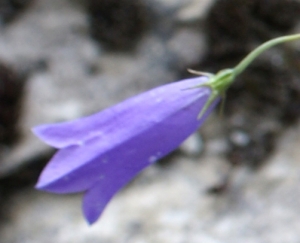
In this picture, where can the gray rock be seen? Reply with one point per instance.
(56, 32)
(168, 204)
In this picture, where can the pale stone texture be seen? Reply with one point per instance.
(164, 204)
(56, 31)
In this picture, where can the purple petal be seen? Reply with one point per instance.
(149, 107)
(96, 198)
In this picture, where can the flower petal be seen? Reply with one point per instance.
(138, 112)
(96, 198)
(59, 177)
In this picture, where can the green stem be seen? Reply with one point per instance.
(221, 81)
(254, 54)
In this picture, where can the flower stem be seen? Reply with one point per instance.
(221, 81)
(256, 52)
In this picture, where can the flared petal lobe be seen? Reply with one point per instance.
(147, 107)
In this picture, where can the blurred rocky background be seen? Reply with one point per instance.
(237, 180)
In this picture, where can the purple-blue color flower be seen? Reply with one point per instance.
(101, 153)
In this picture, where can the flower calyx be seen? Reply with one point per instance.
(218, 83)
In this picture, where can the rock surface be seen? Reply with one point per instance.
(80, 77)
(166, 203)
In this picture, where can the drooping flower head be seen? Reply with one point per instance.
(101, 153)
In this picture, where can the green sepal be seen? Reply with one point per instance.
(218, 84)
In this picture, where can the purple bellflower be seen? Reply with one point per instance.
(101, 153)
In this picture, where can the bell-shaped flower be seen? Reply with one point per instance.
(101, 153)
